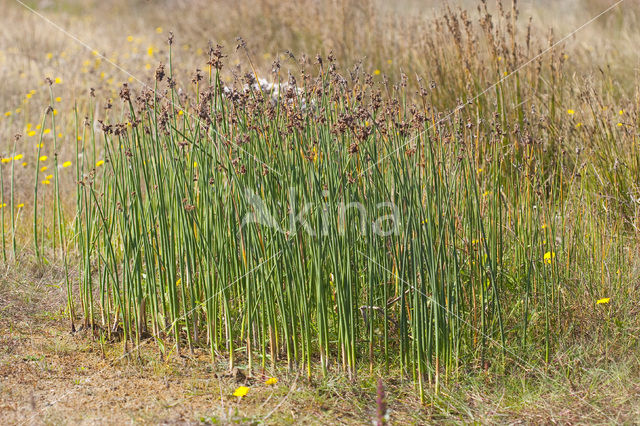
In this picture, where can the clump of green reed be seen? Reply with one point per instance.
(491, 209)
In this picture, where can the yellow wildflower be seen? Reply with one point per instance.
(66, 164)
(43, 158)
(603, 301)
(376, 72)
(271, 381)
(99, 163)
(570, 112)
(159, 30)
(18, 157)
(549, 257)
(241, 391)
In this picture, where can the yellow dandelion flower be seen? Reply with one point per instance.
(47, 131)
(271, 381)
(549, 257)
(95, 52)
(621, 112)
(241, 391)
(18, 157)
(486, 193)
(40, 145)
(619, 124)
(58, 80)
(49, 177)
(43, 168)
(147, 66)
(7, 114)
(150, 51)
(18, 110)
(49, 55)
(180, 112)
(5, 160)
(31, 133)
(159, 30)
(578, 125)
(570, 112)
(21, 205)
(59, 135)
(38, 127)
(28, 95)
(603, 301)
(130, 39)
(58, 99)
(66, 164)
(43, 158)
(24, 164)
(99, 163)
(376, 72)
(46, 182)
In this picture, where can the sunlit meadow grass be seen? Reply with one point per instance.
(513, 210)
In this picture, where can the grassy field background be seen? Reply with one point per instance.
(561, 118)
